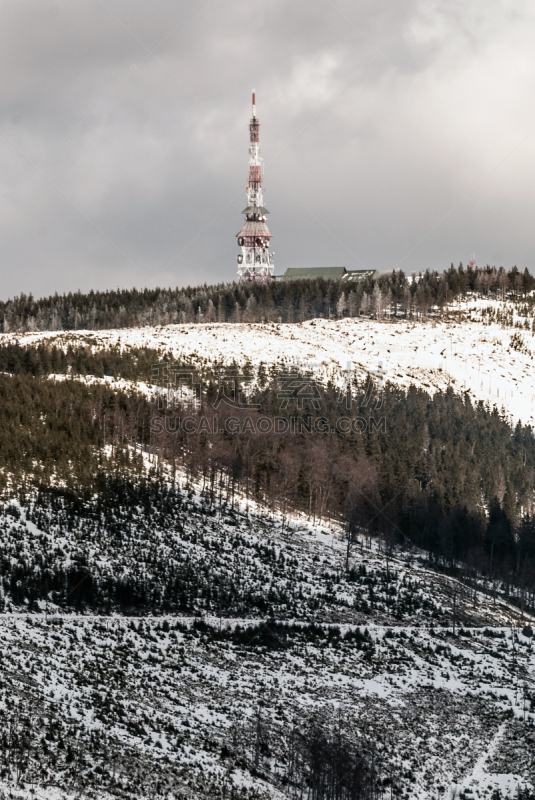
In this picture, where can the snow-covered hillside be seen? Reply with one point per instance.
(109, 695)
(492, 363)
(173, 639)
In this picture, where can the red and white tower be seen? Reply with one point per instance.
(255, 262)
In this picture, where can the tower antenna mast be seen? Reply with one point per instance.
(255, 262)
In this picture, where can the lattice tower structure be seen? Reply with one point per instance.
(255, 262)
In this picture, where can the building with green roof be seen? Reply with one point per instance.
(329, 274)
(312, 273)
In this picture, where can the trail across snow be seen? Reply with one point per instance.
(480, 783)
(470, 356)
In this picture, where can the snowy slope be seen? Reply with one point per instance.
(120, 707)
(469, 355)
(155, 707)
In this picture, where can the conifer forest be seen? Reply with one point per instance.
(282, 577)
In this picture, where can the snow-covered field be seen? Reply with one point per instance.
(156, 707)
(492, 363)
(441, 675)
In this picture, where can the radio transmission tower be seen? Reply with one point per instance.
(255, 262)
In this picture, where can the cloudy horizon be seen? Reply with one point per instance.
(393, 137)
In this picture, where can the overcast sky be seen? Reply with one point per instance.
(394, 134)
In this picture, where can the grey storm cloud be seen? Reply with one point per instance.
(395, 135)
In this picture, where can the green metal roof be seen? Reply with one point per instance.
(310, 273)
